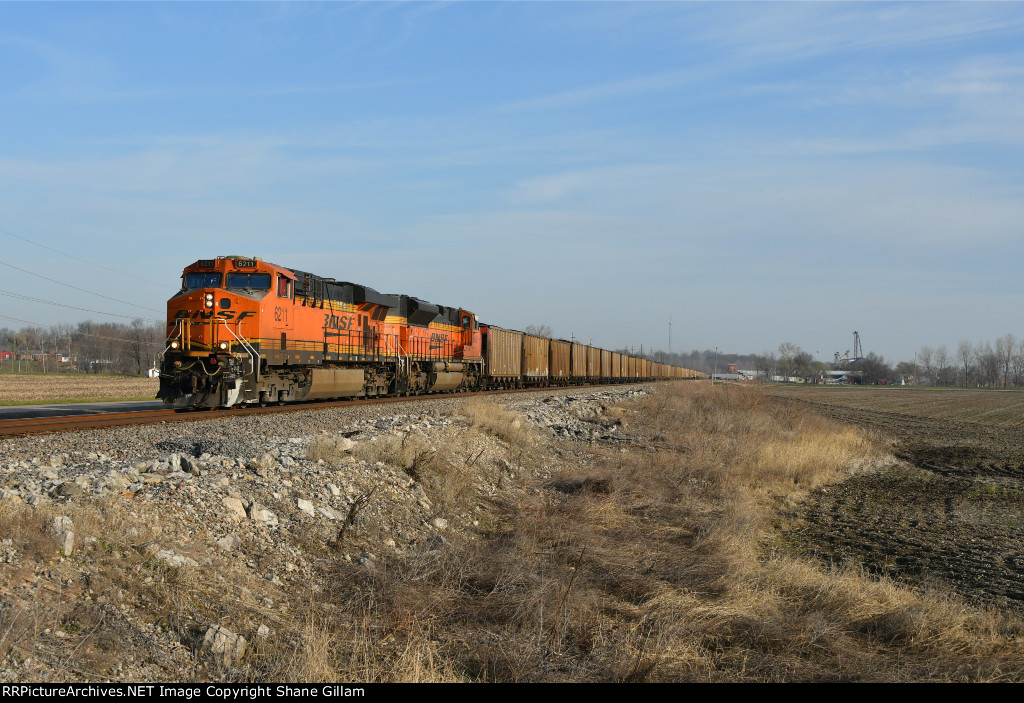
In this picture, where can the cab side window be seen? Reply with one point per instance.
(284, 287)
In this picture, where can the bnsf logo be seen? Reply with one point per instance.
(339, 322)
(437, 341)
(207, 314)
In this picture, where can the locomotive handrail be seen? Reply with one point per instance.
(170, 338)
(399, 352)
(408, 361)
(248, 350)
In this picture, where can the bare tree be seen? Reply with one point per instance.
(17, 342)
(964, 354)
(1004, 352)
(138, 345)
(986, 363)
(873, 369)
(540, 331)
(766, 366)
(924, 358)
(790, 357)
(61, 334)
(1017, 362)
(941, 361)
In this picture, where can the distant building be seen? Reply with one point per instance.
(838, 376)
(735, 374)
(728, 377)
(6, 355)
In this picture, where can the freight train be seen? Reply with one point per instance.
(244, 331)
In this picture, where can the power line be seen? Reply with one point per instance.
(119, 339)
(68, 285)
(77, 337)
(24, 322)
(72, 335)
(62, 305)
(72, 256)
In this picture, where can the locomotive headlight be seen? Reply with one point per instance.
(223, 346)
(175, 345)
(209, 300)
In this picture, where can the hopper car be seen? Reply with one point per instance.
(244, 331)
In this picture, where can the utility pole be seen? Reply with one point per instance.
(716, 367)
(670, 334)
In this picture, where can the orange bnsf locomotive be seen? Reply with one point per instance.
(245, 331)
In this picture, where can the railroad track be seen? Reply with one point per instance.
(76, 423)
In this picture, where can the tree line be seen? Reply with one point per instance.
(87, 347)
(999, 365)
(133, 348)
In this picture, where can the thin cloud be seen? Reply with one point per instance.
(653, 83)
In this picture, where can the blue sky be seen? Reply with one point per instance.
(762, 172)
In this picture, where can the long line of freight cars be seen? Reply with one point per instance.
(516, 359)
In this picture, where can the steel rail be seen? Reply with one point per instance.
(76, 423)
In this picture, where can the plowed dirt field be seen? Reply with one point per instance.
(62, 388)
(951, 514)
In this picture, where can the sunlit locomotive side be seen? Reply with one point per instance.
(244, 331)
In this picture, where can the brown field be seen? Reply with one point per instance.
(952, 513)
(17, 389)
(991, 407)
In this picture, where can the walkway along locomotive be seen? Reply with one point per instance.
(243, 331)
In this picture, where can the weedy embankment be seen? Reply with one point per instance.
(656, 559)
(652, 554)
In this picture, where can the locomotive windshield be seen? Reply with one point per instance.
(249, 280)
(202, 280)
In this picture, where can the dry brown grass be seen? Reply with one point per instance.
(500, 422)
(326, 447)
(660, 564)
(443, 466)
(15, 388)
(659, 560)
(113, 600)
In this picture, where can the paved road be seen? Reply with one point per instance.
(18, 412)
